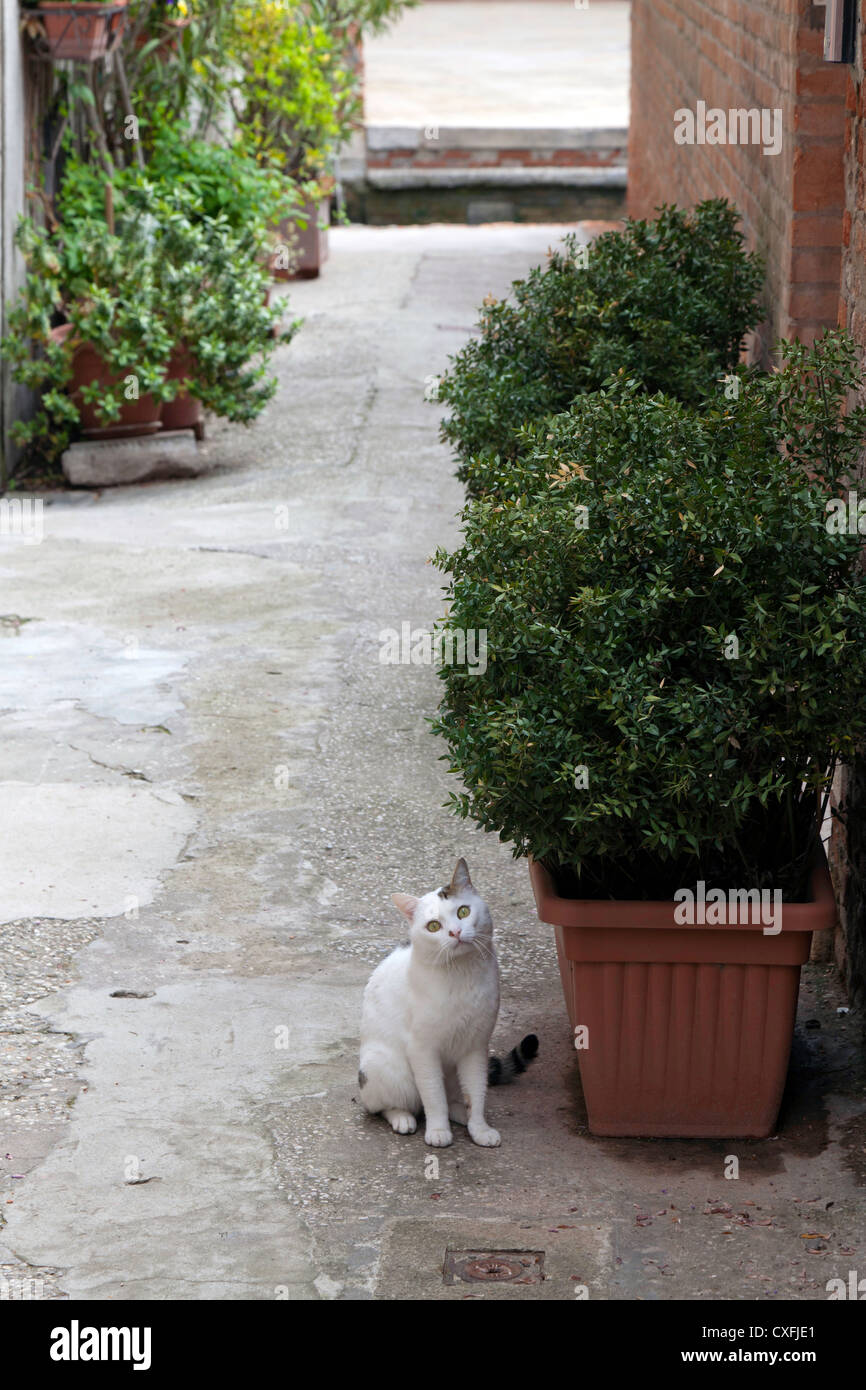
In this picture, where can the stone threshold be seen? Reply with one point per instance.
(383, 139)
(511, 176)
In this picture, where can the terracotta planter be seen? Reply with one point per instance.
(169, 44)
(185, 412)
(276, 326)
(81, 32)
(309, 244)
(89, 366)
(688, 1027)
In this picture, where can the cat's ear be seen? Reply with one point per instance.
(406, 904)
(460, 879)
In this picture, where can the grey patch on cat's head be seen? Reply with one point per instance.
(443, 892)
(362, 1079)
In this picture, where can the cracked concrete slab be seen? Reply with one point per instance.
(71, 851)
(49, 663)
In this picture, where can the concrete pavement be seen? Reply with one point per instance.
(213, 787)
(476, 63)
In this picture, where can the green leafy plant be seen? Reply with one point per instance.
(104, 286)
(222, 181)
(664, 302)
(176, 73)
(184, 267)
(213, 294)
(359, 16)
(296, 97)
(296, 94)
(676, 649)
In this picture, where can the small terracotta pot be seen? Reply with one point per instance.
(309, 243)
(276, 325)
(688, 1027)
(81, 32)
(185, 412)
(89, 366)
(169, 43)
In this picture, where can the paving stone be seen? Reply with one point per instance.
(141, 459)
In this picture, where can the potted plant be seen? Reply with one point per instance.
(79, 30)
(295, 102)
(666, 302)
(174, 298)
(214, 210)
(259, 199)
(105, 393)
(165, 22)
(676, 664)
(299, 247)
(215, 305)
(85, 335)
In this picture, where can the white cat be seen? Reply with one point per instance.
(428, 1014)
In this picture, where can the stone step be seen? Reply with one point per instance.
(410, 173)
(517, 176)
(390, 146)
(138, 459)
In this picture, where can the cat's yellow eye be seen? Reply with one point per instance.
(463, 911)
(433, 926)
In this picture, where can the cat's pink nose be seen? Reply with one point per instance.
(455, 933)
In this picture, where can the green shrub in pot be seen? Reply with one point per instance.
(676, 638)
(213, 290)
(208, 213)
(175, 271)
(105, 286)
(666, 302)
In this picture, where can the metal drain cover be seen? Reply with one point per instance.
(493, 1266)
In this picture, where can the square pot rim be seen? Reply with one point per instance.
(818, 914)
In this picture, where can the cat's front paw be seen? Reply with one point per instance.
(439, 1138)
(402, 1122)
(484, 1135)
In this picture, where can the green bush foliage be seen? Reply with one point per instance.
(184, 265)
(665, 303)
(667, 609)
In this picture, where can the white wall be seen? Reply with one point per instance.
(12, 399)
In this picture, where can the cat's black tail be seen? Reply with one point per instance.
(501, 1070)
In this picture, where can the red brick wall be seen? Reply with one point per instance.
(848, 851)
(752, 54)
(804, 209)
(852, 307)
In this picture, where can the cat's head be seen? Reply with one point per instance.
(448, 923)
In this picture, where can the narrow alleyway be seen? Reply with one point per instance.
(212, 788)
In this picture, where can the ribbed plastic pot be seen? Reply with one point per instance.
(688, 1028)
(170, 41)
